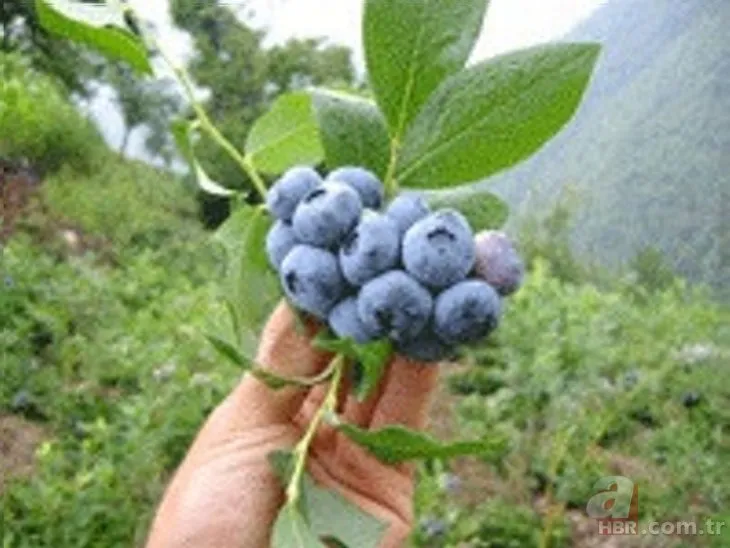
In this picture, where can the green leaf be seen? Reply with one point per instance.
(182, 131)
(372, 357)
(233, 317)
(251, 287)
(276, 382)
(287, 135)
(228, 350)
(333, 516)
(329, 514)
(482, 209)
(352, 130)
(207, 184)
(282, 462)
(411, 46)
(491, 116)
(99, 26)
(394, 444)
(292, 531)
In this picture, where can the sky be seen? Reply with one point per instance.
(510, 24)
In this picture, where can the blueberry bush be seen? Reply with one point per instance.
(410, 274)
(588, 383)
(99, 341)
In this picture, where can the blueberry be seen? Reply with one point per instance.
(644, 416)
(406, 210)
(450, 483)
(25, 404)
(327, 214)
(372, 248)
(312, 280)
(426, 347)
(364, 182)
(394, 305)
(466, 312)
(279, 242)
(433, 527)
(497, 262)
(286, 193)
(631, 379)
(345, 322)
(691, 399)
(22, 401)
(439, 250)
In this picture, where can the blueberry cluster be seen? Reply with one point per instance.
(402, 272)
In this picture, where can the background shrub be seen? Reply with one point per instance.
(40, 124)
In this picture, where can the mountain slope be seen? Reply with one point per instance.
(649, 150)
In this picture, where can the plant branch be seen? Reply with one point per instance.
(302, 448)
(278, 381)
(207, 126)
(204, 120)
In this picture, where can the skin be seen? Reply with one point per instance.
(225, 494)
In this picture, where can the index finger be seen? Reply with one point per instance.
(286, 352)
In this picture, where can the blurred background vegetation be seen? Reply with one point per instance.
(609, 362)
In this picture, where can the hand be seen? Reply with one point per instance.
(225, 493)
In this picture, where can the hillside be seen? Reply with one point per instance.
(648, 149)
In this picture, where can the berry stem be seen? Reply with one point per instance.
(302, 448)
(391, 183)
(204, 121)
(207, 125)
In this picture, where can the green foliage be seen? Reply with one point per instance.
(447, 126)
(368, 360)
(100, 26)
(244, 77)
(352, 131)
(482, 209)
(39, 123)
(126, 203)
(108, 356)
(411, 47)
(285, 136)
(114, 363)
(593, 383)
(184, 133)
(492, 115)
(496, 523)
(28, 27)
(292, 530)
(547, 236)
(315, 510)
(22, 33)
(252, 288)
(651, 269)
(394, 444)
(353, 526)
